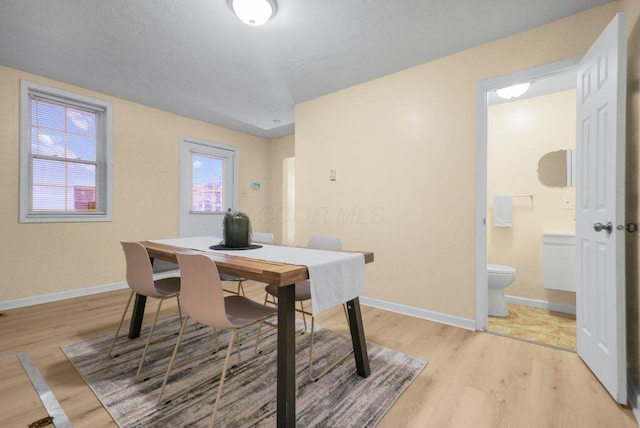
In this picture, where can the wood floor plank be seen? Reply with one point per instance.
(25, 406)
(473, 379)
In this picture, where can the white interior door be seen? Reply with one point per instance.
(208, 186)
(600, 195)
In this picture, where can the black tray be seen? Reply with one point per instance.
(222, 247)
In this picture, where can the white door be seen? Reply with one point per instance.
(600, 195)
(208, 186)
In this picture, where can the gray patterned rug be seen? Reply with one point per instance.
(339, 399)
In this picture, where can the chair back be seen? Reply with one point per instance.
(201, 293)
(325, 243)
(139, 269)
(263, 237)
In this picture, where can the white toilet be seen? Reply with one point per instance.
(498, 278)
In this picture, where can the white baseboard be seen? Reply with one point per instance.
(542, 304)
(60, 295)
(70, 294)
(466, 323)
(633, 397)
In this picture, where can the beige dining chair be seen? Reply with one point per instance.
(259, 237)
(303, 294)
(141, 281)
(204, 301)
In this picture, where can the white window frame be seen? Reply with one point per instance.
(200, 223)
(104, 175)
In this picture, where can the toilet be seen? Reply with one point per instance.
(498, 278)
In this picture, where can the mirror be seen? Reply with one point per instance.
(555, 169)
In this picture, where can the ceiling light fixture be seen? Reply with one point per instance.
(253, 12)
(513, 91)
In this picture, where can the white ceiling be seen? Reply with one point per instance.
(195, 58)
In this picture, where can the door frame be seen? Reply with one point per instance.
(210, 145)
(482, 89)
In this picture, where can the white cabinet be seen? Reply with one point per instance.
(559, 261)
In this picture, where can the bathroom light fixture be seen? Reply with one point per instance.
(253, 12)
(513, 91)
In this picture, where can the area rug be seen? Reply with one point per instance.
(341, 398)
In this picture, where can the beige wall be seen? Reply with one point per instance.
(281, 148)
(519, 133)
(50, 257)
(404, 147)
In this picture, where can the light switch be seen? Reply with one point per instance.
(332, 175)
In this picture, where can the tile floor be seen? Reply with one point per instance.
(537, 325)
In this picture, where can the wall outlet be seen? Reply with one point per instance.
(332, 175)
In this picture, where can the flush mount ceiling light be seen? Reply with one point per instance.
(253, 12)
(513, 91)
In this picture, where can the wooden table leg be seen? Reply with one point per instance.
(136, 318)
(286, 386)
(357, 338)
(138, 313)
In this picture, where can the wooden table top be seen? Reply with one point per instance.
(258, 270)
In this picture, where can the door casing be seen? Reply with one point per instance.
(482, 90)
(186, 144)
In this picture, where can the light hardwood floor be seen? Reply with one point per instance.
(473, 379)
(16, 383)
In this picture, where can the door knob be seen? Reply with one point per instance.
(629, 227)
(599, 227)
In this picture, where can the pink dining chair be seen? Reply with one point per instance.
(303, 294)
(204, 301)
(141, 281)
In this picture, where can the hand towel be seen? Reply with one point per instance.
(503, 210)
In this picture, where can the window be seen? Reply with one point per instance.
(207, 183)
(65, 156)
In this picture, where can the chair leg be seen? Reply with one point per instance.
(146, 346)
(222, 376)
(266, 299)
(179, 306)
(272, 301)
(313, 322)
(173, 357)
(304, 317)
(258, 338)
(215, 332)
(238, 347)
(126, 308)
(240, 287)
(259, 334)
(313, 378)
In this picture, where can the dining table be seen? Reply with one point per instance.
(284, 275)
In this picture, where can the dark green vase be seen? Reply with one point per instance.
(237, 230)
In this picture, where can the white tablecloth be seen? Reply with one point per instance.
(336, 277)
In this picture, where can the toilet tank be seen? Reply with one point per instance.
(558, 259)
